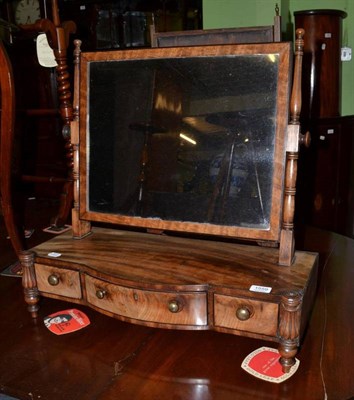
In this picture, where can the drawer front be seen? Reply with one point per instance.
(62, 282)
(245, 314)
(148, 305)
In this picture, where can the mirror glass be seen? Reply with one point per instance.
(183, 139)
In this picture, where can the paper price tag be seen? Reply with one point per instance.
(54, 254)
(264, 364)
(66, 321)
(45, 53)
(260, 289)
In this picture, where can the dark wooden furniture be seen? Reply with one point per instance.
(140, 174)
(103, 25)
(325, 195)
(112, 359)
(322, 59)
(58, 35)
(254, 34)
(326, 176)
(43, 105)
(7, 133)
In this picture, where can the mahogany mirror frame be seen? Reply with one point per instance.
(83, 216)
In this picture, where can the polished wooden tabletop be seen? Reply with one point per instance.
(115, 360)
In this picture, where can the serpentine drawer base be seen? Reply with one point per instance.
(178, 283)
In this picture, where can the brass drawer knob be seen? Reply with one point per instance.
(100, 293)
(243, 313)
(53, 280)
(174, 306)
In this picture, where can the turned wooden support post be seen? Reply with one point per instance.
(29, 282)
(80, 228)
(295, 101)
(289, 328)
(63, 32)
(58, 37)
(287, 245)
(59, 45)
(75, 132)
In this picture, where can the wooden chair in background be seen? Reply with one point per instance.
(58, 35)
(58, 38)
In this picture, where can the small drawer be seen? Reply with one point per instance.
(182, 308)
(62, 282)
(245, 314)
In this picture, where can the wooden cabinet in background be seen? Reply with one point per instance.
(326, 170)
(326, 176)
(321, 64)
(125, 24)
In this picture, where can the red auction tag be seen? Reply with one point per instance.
(264, 364)
(66, 321)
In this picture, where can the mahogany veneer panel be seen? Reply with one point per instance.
(147, 305)
(264, 319)
(142, 259)
(69, 285)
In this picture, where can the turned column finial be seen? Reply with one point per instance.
(295, 102)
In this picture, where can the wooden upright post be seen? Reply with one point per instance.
(287, 245)
(80, 228)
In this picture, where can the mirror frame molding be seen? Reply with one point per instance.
(287, 137)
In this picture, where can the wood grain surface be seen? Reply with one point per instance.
(112, 360)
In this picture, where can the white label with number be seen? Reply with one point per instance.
(260, 289)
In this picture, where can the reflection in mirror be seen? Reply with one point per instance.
(188, 139)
